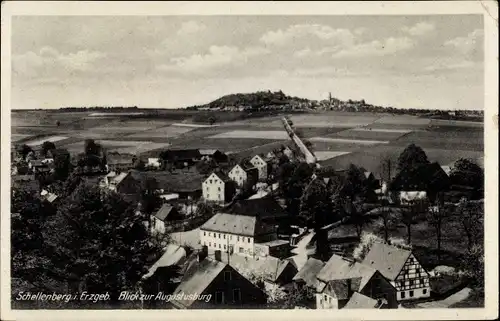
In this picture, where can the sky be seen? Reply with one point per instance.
(432, 61)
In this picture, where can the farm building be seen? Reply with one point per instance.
(218, 187)
(167, 213)
(341, 278)
(307, 274)
(402, 269)
(120, 162)
(243, 173)
(123, 183)
(227, 288)
(213, 154)
(181, 157)
(267, 209)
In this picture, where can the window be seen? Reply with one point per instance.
(209, 234)
(224, 236)
(224, 247)
(219, 246)
(210, 181)
(219, 189)
(240, 250)
(219, 196)
(204, 233)
(209, 243)
(411, 282)
(424, 291)
(238, 238)
(403, 295)
(219, 297)
(418, 270)
(227, 275)
(326, 297)
(411, 294)
(236, 295)
(219, 235)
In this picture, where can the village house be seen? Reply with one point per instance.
(49, 197)
(244, 173)
(218, 187)
(238, 233)
(153, 162)
(122, 183)
(262, 165)
(218, 285)
(213, 154)
(181, 158)
(37, 166)
(341, 278)
(306, 276)
(167, 213)
(420, 184)
(120, 162)
(402, 269)
(267, 209)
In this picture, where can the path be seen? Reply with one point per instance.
(452, 299)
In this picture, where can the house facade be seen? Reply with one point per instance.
(234, 233)
(402, 269)
(242, 174)
(262, 166)
(218, 188)
(167, 213)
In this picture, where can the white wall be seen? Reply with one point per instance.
(157, 225)
(214, 239)
(325, 301)
(213, 189)
(261, 166)
(154, 162)
(238, 175)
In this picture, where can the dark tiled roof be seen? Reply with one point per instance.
(360, 301)
(338, 268)
(182, 154)
(308, 273)
(164, 211)
(387, 259)
(421, 178)
(340, 288)
(259, 207)
(237, 224)
(197, 278)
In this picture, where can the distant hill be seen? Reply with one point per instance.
(253, 101)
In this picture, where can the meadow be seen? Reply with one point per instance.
(338, 138)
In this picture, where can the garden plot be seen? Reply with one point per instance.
(403, 120)
(333, 120)
(348, 141)
(261, 134)
(39, 141)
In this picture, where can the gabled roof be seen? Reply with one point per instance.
(51, 197)
(208, 152)
(164, 211)
(259, 207)
(197, 278)
(222, 176)
(309, 271)
(268, 267)
(338, 268)
(387, 259)
(360, 301)
(236, 224)
(173, 255)
(298, 260)
(119, 178)
(340, 288)
(367, 174)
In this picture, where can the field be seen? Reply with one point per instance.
(338, 138)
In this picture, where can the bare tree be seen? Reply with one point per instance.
(436, 217)
(408, 216)
(387, 217)
(471, 220)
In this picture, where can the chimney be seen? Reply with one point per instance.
(203, 253)
(349, 288)
(218, 255)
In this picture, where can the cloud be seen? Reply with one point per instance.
(419, 29)
(451, 64)
(293, 33)
(467, 44)
(51, 62)
(388, 46)
(217, 56)
(191, 27)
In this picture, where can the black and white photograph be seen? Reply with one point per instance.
(236, 160)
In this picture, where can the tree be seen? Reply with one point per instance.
(387, 217)
(46, 147)
(356, 215)
(364, 245)
(467, 173)
(471, 216)
(23, 150)
(62, 163)
(436, 216)
(92, 148)
(408, 216)
(102, 242)
(58, 123)
(411, 157)
(139, 164)
(355, 182)
(150, 200)
(472, 264)
(212, 120)
(206, 166)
